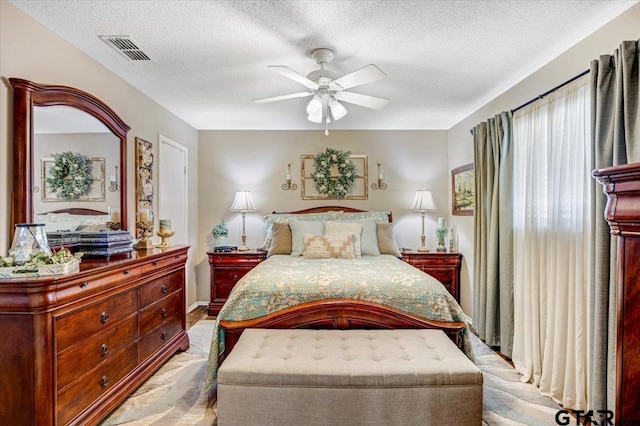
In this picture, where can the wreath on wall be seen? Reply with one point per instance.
(334, 187)
(70, 176)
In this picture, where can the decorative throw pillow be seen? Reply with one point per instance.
(270, 219)
(346, 228)
(386, 242)
(280, 239)
(329, 246)
(299, 228)
(369, 240)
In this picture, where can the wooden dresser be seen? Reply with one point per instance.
(622, 186)
(445, 267)
(225, 269)
(75, 346)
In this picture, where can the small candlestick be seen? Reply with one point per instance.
(288, 186)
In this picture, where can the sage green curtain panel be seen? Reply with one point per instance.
(615, 99)
(493, 230)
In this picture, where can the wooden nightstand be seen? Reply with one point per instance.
(225, 269)
(443, 266)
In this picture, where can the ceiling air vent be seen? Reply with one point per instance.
(127, 47)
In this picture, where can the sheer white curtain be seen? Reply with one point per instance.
(552, 239)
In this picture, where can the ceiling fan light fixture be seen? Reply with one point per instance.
(315, 105)
(316, 117)
(337, 110)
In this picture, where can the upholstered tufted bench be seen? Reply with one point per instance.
(348, 377)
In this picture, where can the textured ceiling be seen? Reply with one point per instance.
(443, 59)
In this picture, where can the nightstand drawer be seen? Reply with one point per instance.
(229, 276)
(225, 270)
(443, 266)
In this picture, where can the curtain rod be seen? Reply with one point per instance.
(546, 93)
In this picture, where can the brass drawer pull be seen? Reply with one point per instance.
(126, 272)
(104, 317)
(84, 284)
(164, 289)
(104, 381)
(164, 312)
(104, 349)
(235, 277)
(155, 263)
(164, 335)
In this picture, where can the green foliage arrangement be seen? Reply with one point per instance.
(334, 187)
(61, 256)
(70, 176)
(441, 233)
(220, 230)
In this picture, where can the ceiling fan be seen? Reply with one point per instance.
(327, 90)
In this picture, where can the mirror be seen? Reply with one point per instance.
(52, 120)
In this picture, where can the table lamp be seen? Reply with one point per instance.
(243, 203)
(423, 202)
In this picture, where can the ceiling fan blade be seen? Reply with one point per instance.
(288, 72)
(362, 100)
(357, 78)
(283, 97)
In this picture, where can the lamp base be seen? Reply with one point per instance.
(243, 248)
(423, 249)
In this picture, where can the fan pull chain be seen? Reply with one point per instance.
(326, 127)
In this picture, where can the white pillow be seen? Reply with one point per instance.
(298, 230)
(346, 228)
(369, 235)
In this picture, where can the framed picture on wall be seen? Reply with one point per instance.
(359, 191)
(144, 185)
(463, 190)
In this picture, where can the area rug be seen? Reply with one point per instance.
(174, 395)
(506, 400)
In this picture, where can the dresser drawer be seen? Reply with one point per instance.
(90, 352)
(153, 315)
(79, 394)
(153, 341)
(161, 264)
(76, 326)
(161, 287)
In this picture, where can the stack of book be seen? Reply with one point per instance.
(105, 243)
(66, 239)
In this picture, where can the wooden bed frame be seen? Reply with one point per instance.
(77, 211)
(340, 314)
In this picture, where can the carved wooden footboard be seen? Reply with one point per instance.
(342, 314)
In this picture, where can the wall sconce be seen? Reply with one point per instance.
(113, 181)
(287, 177)
(380, 185)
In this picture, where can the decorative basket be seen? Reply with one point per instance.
(43, 270)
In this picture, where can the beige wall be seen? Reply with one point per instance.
(571, 63)
(224, 161)
(257, 160)
(28, 50)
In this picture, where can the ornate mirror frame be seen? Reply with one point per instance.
(26, 95)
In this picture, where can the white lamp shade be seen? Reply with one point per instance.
(423, 201)
(242, 202)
